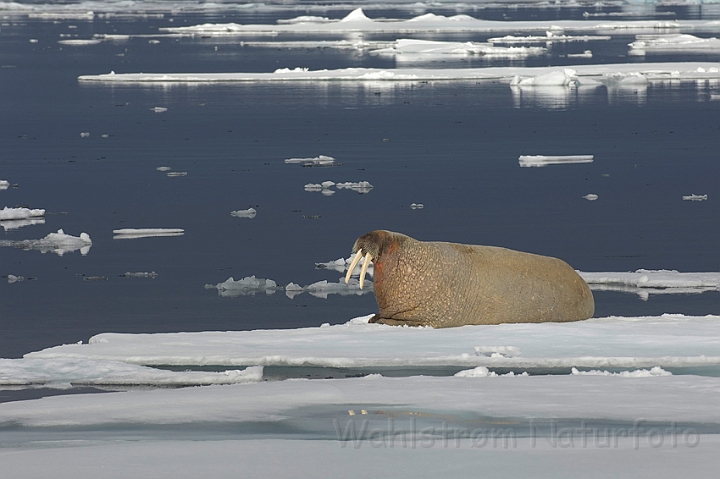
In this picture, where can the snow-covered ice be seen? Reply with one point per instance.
(58, 243)
(134, 233)
(20, 213)
(543, 160)
(413, 47)
(320, 160)
(667, 341)
(645, 282)
(248, 213)
(675, 43)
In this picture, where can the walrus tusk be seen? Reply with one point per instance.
(363, 270)
(353, 263)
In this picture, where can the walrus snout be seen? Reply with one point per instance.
(439, 284)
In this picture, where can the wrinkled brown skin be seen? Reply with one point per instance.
(445, 285)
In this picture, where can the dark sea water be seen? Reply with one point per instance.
(451, 146)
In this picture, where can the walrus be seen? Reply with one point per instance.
(438, 284)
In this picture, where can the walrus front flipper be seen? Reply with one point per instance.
(394, 322)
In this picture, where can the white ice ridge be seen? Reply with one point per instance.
(357, 21)
(427, 47)
(613, 342)
(542, 160)
(248, 213)
(645, 282)
(362, 187)
(83, 372)
(251, 285)
(321, 160)
(341, 265)
(676, 43)
(59, 243)
(134, 233)
(20, 213)
(581, 75)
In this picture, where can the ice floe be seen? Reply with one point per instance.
(20, 213)
(4, 185)
(248, 213)
(645, 282)
(427, 47)
(676, 43)
(591, 197)
(141, 274)
(341, 265)
(667, 341)
(638, 373)
(695, 197)
(578, 75)
(357, 21)
(322, 289)
(321, 160)
(549, 37)
(246, 286)
(362, 187)
(58, 243)
(134, 233)
(82, 372)
(542, 160)
(77, 42)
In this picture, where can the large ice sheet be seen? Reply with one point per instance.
(357, 21)
(591, 75)
(676, 43)
(645, 282)
(635, 342)
(422, 48)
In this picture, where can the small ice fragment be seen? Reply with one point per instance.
(105, 135)
(84, 134)
(478, 372)
(176, 174)
(417, 206)
(14, 279)
(151, 274)
(247, 286)
(248, 213)
(153, 42)
(327, 184)
(321, 160)
(133, 233)
(20, 213)
(542, 160)
(694, 197)
(591, 197)
(4, 184)
(158, 109)
(163, 168)
(33, 40)
(638, 373)
(497, 351)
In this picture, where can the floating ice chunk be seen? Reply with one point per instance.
(249, 285)
(163, 168)
(84, 134)
(322, 289)
(638, 373)
(321, 160)
(417, 206)
(176, 174)
(585, 54)
(81, 372)
(341, 265)
(248, 213)
(565, 77)
(356, 15)
(305, 19)
(649, 44)
(4, 184)
(14, 279)
(59, 243)
(20, 213)
(77, 42)
(483, 372)
(158, 109)
(542, 160)
(151, 274)
(644, 282)
(361, 187)
(694, 197)
(427, 47)
(550, 36)
(133, 233)
(591, 197)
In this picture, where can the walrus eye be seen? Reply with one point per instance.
(363, 270)
(354, 263)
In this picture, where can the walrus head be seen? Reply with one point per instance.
(374, 246)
